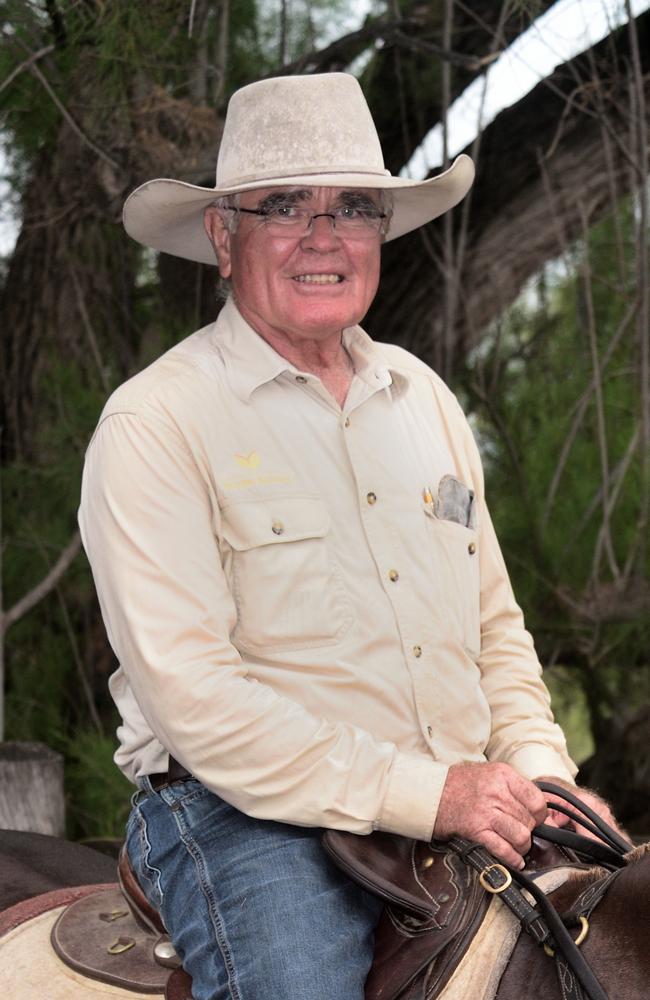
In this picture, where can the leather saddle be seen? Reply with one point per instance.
(435, 903)
(434, 906)
(113, 935)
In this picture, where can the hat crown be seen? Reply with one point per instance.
(293, 125)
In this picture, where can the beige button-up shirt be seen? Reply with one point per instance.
(308, 612)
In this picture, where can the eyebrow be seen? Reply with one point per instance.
(357, 199)
(349, 199)
(276, 199)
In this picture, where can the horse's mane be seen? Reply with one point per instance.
(581, 878)
(637, 854)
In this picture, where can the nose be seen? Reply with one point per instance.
(322, 235)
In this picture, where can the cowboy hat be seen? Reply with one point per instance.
(290, 130)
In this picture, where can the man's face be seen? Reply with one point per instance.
(307, 288)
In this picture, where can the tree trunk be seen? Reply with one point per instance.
(31, 789)
(528, 185)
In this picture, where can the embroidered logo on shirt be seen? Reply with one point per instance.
(250, 461)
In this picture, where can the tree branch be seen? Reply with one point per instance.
(70, 120)
(27, 64)
(343, 50)
(42, 589)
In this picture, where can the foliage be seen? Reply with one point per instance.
(99, 95)
(98, 794)
(580, 563)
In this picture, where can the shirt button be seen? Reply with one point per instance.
(371, 498)
(430, 730)
(277, 527)
(417, 651)
(301, 379)
(393, 575)
(471, 548)
(347, 422)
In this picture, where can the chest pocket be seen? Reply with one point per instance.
(287, 587)
(457, 588)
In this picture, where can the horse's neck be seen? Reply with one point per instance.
(616, 945)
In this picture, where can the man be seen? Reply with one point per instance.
(297, 570)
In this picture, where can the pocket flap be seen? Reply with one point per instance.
(250, 524)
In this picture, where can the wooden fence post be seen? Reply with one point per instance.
(31, 788)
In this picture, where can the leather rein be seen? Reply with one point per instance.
(540, 919)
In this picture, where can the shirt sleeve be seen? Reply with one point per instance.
(523, 732)
(147, 518)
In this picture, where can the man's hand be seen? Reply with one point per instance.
(589, 798)
(492, 804)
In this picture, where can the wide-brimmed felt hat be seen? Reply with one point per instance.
(313, 130)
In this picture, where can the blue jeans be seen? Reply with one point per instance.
(254, 908)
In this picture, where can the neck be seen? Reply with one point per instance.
(324, 356)
(331, 363)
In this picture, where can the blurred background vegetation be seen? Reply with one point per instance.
(531, 299)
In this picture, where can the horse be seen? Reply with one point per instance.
(35, 867)
(616, 946)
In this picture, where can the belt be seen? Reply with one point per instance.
(174, 772)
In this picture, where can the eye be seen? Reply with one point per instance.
(284, 212)
(348, 212)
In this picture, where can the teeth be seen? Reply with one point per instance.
(319, 279)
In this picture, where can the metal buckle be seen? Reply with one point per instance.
(495, 890)
(121, 945)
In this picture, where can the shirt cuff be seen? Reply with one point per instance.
(411, 801)
(535, 761)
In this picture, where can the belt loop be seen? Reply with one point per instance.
(145, 785)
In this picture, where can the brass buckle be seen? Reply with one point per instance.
(495, 890)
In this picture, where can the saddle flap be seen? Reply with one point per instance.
(384, 864)
(414, 957)
(179, 986)
(98, 937)
(434, 906)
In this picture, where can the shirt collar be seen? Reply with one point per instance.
(251, 362)
(370, 365)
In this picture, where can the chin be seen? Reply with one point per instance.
(327, 319)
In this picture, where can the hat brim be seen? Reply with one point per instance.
(167, 215)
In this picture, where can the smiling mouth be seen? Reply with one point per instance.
(319, 279)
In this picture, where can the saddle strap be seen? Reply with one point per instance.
(497, 878)
(548, 927)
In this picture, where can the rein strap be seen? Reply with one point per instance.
(542, 921)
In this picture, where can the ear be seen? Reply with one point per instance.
(219, 237)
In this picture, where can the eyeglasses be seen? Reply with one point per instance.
(296, 221)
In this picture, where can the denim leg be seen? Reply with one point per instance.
(254, 908)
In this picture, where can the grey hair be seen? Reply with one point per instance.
(230, 219)
(231, 222)
(386, 203)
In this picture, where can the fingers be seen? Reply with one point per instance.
(492, 804)
(591, 799)
(532, 799)
(510, 840)
(556, 819)
(502, 849)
